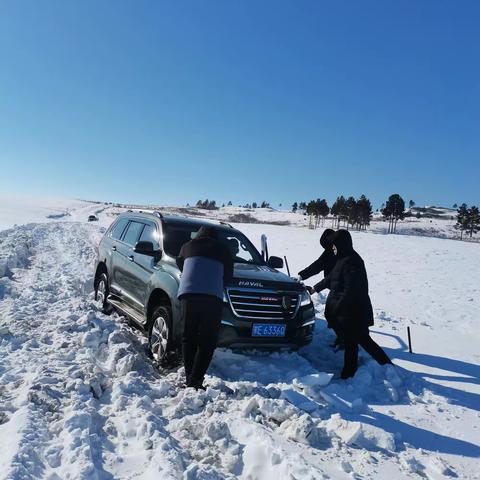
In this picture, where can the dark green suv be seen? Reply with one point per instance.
(136, 273)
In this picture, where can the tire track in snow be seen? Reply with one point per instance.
(40, 305)
(58, 360)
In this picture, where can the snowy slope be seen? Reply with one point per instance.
(16, 210)
(80, 399)
(434, 221)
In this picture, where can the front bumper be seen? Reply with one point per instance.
(236, 332)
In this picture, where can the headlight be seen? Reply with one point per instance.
(225, 299)
(305, 299)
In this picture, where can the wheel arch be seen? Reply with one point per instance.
(158, 297)
(101, 268)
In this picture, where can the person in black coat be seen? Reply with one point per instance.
(206, 266)
(349, 303)
(325, 264)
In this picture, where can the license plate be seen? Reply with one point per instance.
(268, 330)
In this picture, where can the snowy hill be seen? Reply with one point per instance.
(433, 221)
(79, 398)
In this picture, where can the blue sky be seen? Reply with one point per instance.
(169, 102)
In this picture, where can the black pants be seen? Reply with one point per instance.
(336, 327)
(201, 315)
(354, 338)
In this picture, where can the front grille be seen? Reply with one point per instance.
(263, 304)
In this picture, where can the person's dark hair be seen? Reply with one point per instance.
(232, 245)
(343, 241)
(326, 240)
(206, 232)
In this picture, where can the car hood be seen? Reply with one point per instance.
(262, 276)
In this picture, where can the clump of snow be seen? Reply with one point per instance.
(14, 250)
(360, 434)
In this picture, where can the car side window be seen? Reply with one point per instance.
(118, 228)
(133, 232)
(149, 234)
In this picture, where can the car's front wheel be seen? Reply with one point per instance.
(101, 294)
(159, 333)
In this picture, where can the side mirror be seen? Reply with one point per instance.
(146, 248)
(275, 262)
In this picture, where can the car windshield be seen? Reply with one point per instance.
(242, 250)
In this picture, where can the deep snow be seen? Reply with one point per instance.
(79, 398)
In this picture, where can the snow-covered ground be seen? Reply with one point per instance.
(79, 397)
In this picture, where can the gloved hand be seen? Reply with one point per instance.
(298, 278)
(310, 290)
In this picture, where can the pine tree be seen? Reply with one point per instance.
(323, 209)
(334, 211)
(310, 211)
(455, 206)
(411, 204)
(394, 210)
(254, 205)
(462, 219)
(229, 203)
(350, 211)
(473, 223)
(295, 207)
(339, 210)
(364, 212)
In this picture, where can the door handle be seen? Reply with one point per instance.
(114, 248)
(130, 257)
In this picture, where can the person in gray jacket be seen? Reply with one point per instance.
(206, 266)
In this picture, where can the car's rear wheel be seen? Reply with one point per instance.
(159, 334)
(101, 294)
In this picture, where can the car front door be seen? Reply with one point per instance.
(125, 270)
(144, 265)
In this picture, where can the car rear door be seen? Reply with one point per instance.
(112, 257)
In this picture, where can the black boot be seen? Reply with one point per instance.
(197, 384)
(347, 374)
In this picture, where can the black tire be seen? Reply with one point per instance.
(101, 294)
(160, 342)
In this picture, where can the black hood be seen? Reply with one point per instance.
(326, 239)
(206, 232)
(343, 242)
